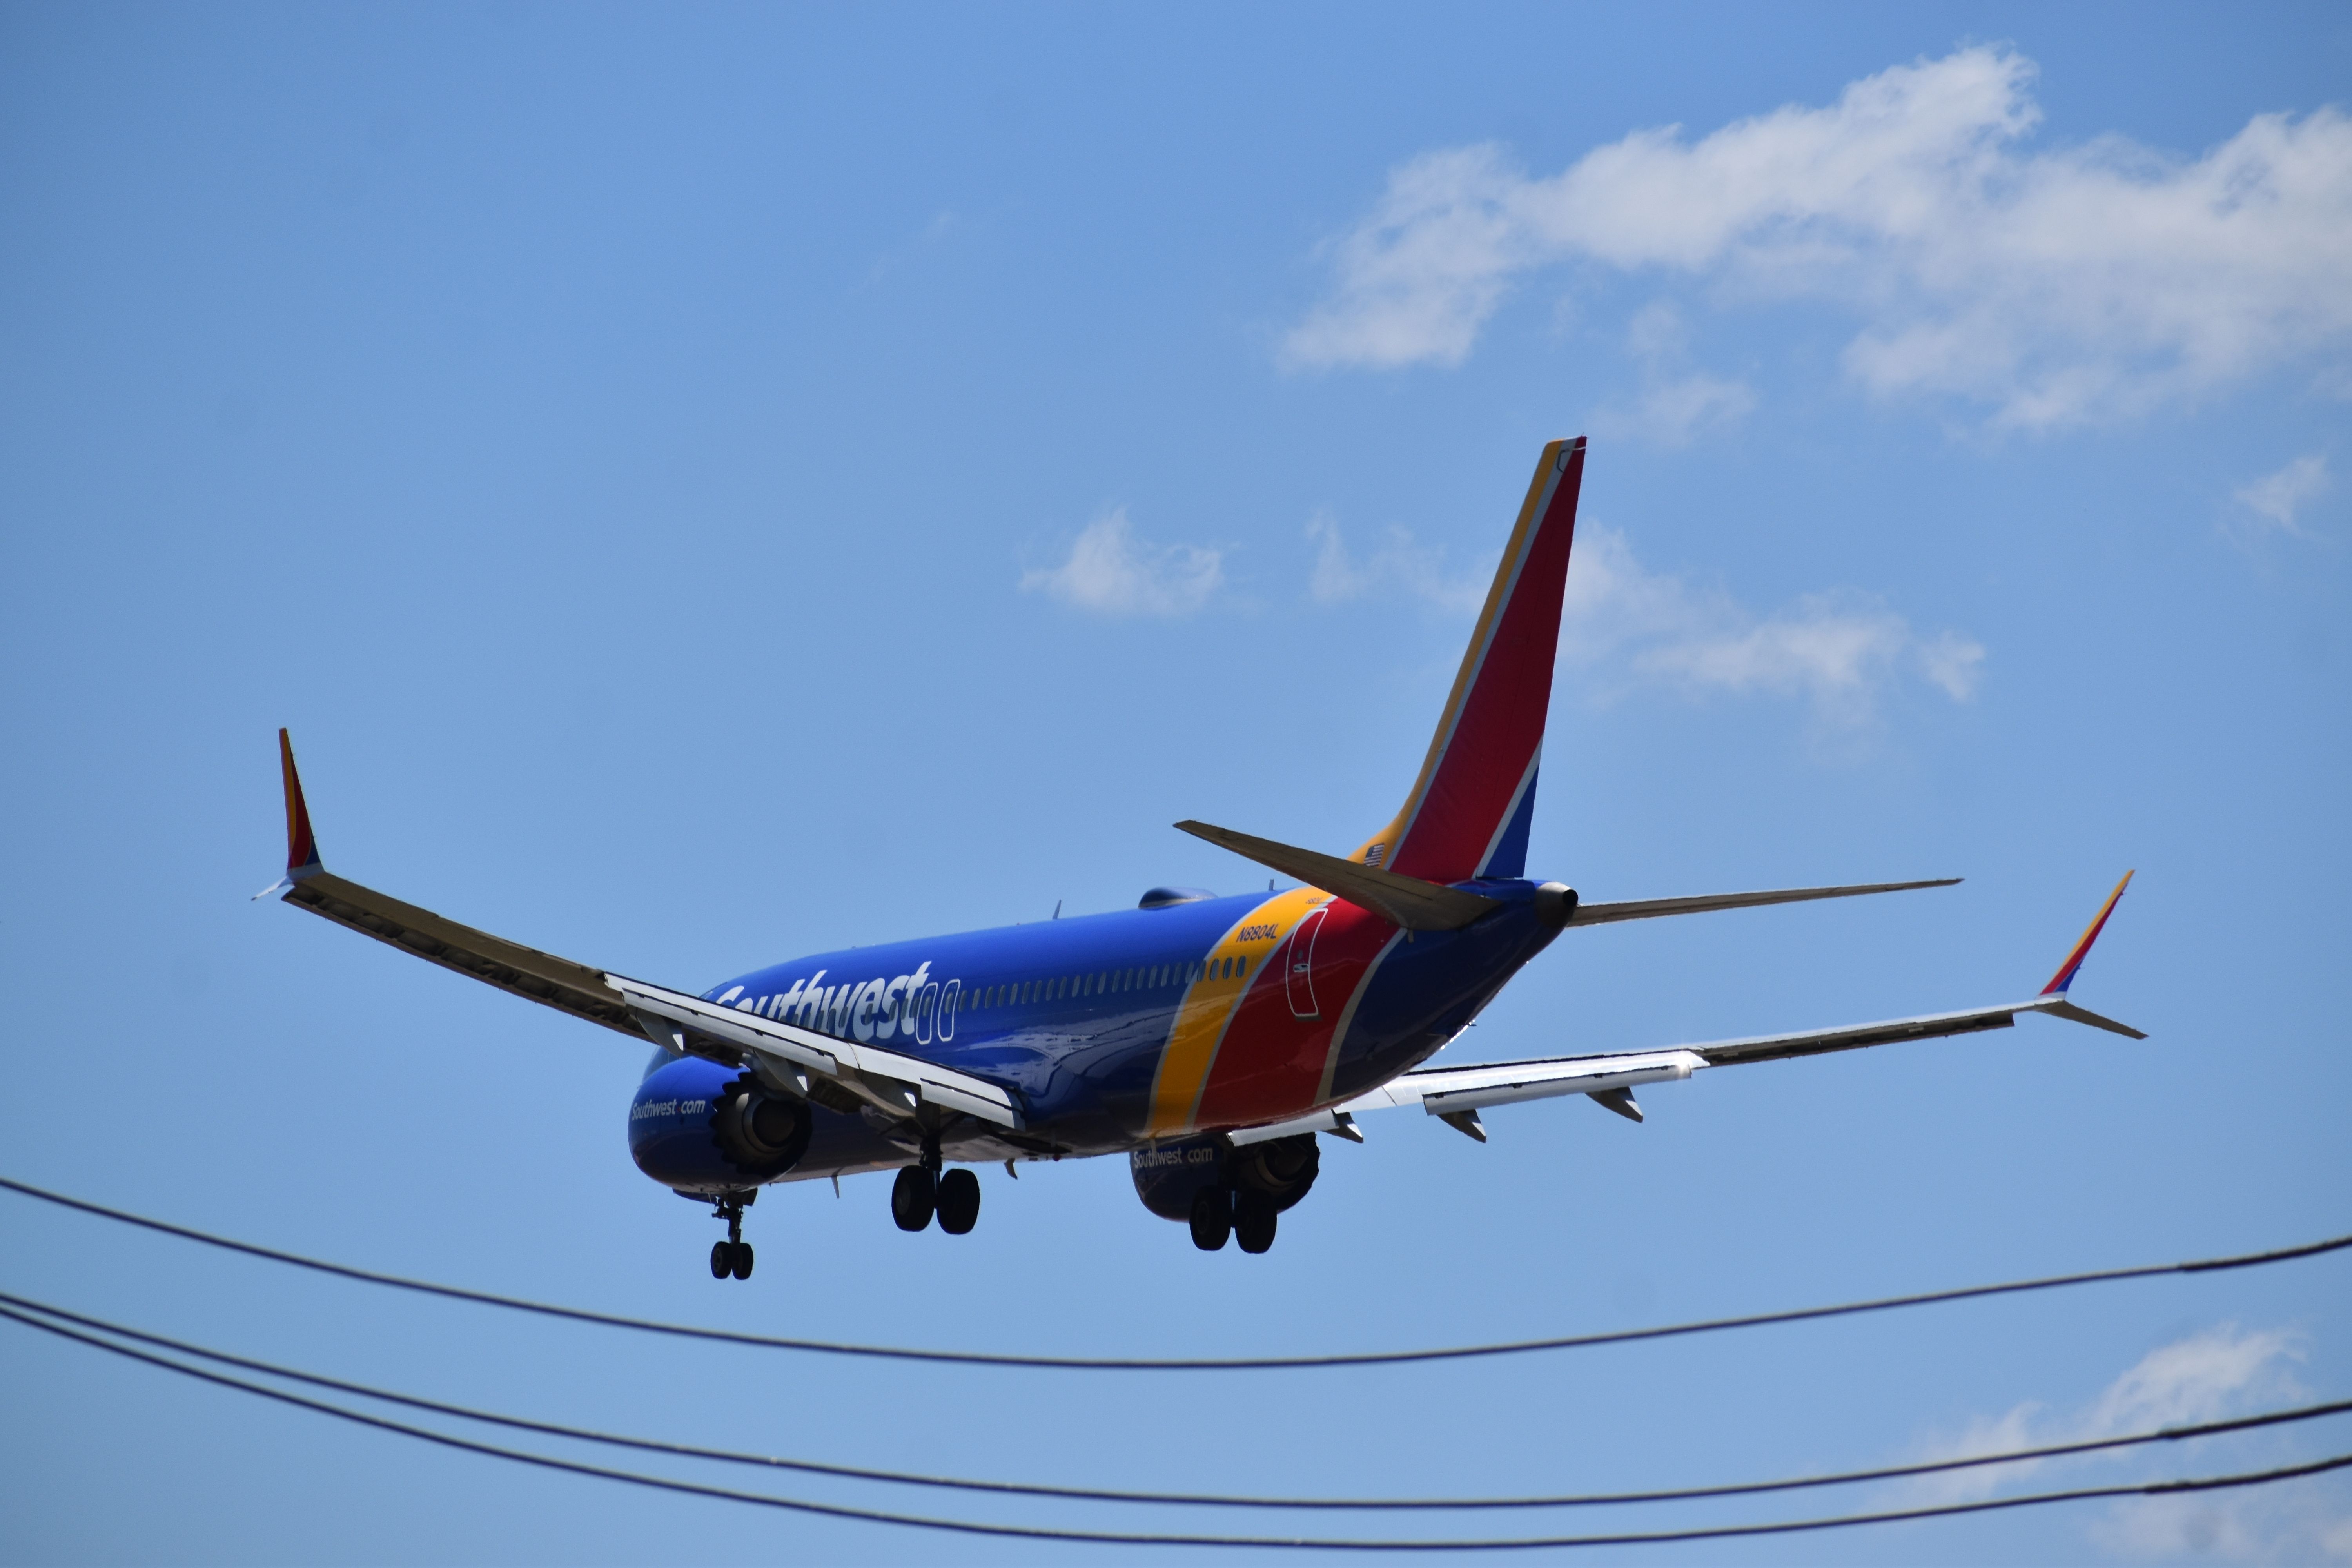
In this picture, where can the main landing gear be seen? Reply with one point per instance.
(1247, 1217)
(922, 1190)
(732, 1256)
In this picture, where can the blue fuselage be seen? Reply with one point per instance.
(1113, 1030)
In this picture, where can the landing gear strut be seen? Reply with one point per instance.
(732, 1256)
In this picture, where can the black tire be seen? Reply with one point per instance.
(723, 1259)
(958, 1202)
(912, 1197)
(1253, 1221)
(742, 1260)
(1212, 1218)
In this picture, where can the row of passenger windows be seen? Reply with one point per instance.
(1101, 982)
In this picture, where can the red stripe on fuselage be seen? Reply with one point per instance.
(1272, 1063)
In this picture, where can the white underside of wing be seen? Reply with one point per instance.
(1450, 1092)
(1454, 1091)
(891, 1080)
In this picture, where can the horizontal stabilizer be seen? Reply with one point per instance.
(1648, 909)
(1400, 900)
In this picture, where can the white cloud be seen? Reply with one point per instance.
(1113, 572)
(2209, 1376)
(1671, 408)
(2277, 499)
(1839, 652)
(2059, 286)
(1398, 566)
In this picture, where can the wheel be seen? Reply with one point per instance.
(912, 1197)
(742, 1251)
(1253, 1219)
(723, 1259)
(1213, 1217)
(958, 1201)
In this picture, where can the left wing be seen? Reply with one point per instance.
(842, 1074)
(1457, 1094)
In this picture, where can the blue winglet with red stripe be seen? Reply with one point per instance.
(2066, 975)
(301, 844)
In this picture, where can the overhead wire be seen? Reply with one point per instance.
(23, 1304)
(1179, 1364)
(1127, 1538)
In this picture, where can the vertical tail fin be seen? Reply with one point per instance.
(1469, 810)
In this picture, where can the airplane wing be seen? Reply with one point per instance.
(839, 1073)
(1456, 1094)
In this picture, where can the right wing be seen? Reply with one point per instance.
(1457, 1094)
(840, 1072)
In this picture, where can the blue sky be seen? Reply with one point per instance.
(704, 487)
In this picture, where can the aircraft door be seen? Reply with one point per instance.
(1301, 972)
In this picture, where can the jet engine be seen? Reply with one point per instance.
(763, 1135)
(1169, 1176)
(699, 1127)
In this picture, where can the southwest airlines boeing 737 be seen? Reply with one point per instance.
(1208, 1039)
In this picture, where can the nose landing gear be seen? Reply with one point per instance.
(732, 1256)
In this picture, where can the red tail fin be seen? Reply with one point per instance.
(301, 844)
(1469, 811)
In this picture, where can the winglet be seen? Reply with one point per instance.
(2066, 975)
(301, 844)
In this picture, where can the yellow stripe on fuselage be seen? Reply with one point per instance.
(1210, 1005)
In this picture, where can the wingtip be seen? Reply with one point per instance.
(2082, 949)
(301, 844)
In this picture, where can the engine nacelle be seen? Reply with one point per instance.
(1168, 1175)
(697, 1126)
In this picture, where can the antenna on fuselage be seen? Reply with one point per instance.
(1057, 908)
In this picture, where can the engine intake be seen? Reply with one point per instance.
(762, 1134)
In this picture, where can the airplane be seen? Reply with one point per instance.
(1210, 1040)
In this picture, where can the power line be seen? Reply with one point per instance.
(1183, 1500)
(1136, 1363)
(1121, 1538)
